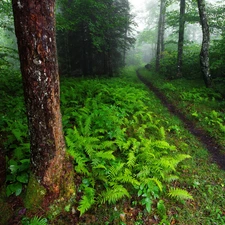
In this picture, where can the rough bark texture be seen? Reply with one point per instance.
(161, 28)
(181, 38)
(204, 55)
(35, 31)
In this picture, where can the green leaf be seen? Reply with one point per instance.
(161, 208)
(23, 178)
(15, 188)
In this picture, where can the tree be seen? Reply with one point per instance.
(98, 35)
(181, 38)
(161, 29)
(35, 30)
(204, 55)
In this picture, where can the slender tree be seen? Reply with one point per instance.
(35, 30)
(204, 55)
(181, 38)
(161, 29)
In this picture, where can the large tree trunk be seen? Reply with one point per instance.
(35, 30)
(204, 55)
(161, 30)
(181, 38)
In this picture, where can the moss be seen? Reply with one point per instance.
(35, 194)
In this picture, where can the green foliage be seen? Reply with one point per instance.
(202, 178)
(17, 176)
(13, 129)
(117, 143)
(217, 56)
(191, 66)
(100, 30)
(179, 194)
(34, 221)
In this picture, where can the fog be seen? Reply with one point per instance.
(146, 14)
(142, 9)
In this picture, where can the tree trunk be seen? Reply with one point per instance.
(161, 29)
(204, 55)
(35, 31)
(181, 38)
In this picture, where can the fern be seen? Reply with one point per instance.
(115, 169)
(105, 155)
(162, 133)
(88, 199)
(180, 194)
(126, 177)
(38, 221)
(131, 159)
(113, 194)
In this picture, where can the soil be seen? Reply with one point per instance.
(203, 136)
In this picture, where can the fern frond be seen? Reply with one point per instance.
(179, 194)
(107, 144)
(126, 177)
(162, 133)
(105, 155)
(163, 145)
(113, 194)
(172, 162)
(144, 172)
(88, 199)
(131, 159)
(38, 221)
(158, 183)
(170, 178)
(115, 169)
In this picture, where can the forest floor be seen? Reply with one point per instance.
(202, 175)
(204, 137)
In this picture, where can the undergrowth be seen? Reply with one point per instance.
(203, 105)
(128, 152)
(203, 179)
(118, 144)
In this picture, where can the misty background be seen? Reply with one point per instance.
(146, 16)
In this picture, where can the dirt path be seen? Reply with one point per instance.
(210, 143)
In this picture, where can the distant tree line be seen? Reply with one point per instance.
(93, 36)
(187, 39)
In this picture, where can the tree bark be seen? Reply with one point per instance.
(181, 38)
(161, 29)
(204, 55)
(35, 30)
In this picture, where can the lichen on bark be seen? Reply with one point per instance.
(35, 31)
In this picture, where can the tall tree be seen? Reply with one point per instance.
(99, 34)
(204, 55)
(35, 30)
(161, 31)
(181, 38)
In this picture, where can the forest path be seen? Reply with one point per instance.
(210, 143)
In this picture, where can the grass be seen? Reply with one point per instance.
(203, 179)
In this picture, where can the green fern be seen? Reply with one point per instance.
(162, 133)
(105, 155)
(38, 221)
(113, 194)
(131, 159)
(180, 194)
(88, 199)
